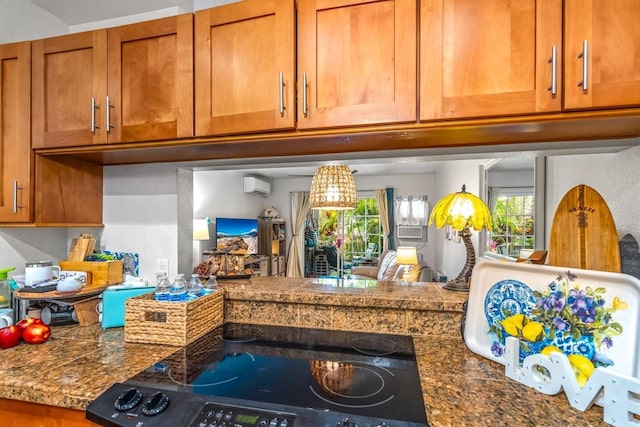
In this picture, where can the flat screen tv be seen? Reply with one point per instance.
(237, 234)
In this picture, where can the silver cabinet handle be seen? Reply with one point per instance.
(585, 65)
(554, 70)
(93, 115)
(109, 107)
(281, 93)
(16, 187)
(304, 94)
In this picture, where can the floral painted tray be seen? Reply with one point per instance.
(591, 313)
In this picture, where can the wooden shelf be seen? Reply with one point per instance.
(84, 292)
(272, 242)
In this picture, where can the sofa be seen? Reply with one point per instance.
(389, 269)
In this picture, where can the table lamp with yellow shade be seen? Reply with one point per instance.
(407, 257)
(462, 211)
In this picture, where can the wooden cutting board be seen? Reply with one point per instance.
(583, 234)
(81, 247)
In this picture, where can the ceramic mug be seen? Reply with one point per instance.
(99, 311)
(37, 273)
(54, 315)
(80, 275)
(6, 317)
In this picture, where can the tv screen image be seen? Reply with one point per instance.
(237, 234)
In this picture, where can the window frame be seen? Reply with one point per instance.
(518, 220)
(342, 228)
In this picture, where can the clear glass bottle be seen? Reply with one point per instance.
(178, 289)
(163, 288)
(5, 288)
(194, 288)
(212, 283)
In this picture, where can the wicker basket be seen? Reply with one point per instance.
(173, 323)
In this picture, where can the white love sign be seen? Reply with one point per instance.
(617, 393)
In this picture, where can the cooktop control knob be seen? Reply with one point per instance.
(128, 399)
(155, 404)
(346, 423)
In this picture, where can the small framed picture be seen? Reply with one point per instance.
(451, 234)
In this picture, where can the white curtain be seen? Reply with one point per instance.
(299, 209)
(411, 210)
(493, 193)
(381, 201)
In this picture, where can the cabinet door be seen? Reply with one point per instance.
(69, 83)
(611, 32)
(245, 67)
(15, 145)
(150, 80)
(489, 57)
(356, 62)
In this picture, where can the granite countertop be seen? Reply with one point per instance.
(460, 388)
(353, 293)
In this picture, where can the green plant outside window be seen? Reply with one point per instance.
(361, 229)
(513, 225)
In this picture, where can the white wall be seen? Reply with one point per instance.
(141, 214)
(21, 245)
(512, 178)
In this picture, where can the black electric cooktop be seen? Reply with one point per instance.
(254, 375)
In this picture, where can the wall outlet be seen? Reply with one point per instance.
(162, 267)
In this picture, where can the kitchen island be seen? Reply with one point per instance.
(459, 387)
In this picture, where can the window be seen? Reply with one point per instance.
(363, 231)
(513, 225)
(357, 231)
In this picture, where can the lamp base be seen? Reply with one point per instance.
(462, 282)
(460, 285)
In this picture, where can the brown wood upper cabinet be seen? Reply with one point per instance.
(356, 62)
(602, 53)
(489, 57)
(16, 163)
(36, 189)
(245, 67)
(128, 83)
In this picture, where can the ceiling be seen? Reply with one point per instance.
(75, 12)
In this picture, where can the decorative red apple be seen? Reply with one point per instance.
(22, 324)
(10, 336)
(36, 333)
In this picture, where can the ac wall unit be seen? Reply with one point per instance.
(411, 232)
(257, 186)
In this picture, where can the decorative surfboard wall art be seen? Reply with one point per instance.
(583, 233)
